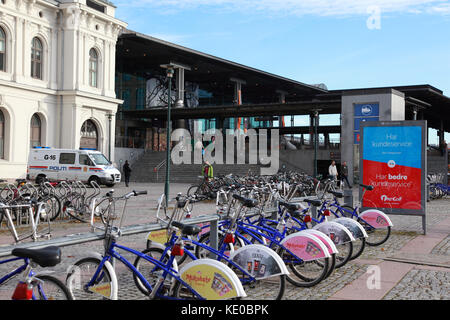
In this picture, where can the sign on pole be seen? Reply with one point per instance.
(393, 160)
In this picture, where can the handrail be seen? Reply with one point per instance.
(159, 166)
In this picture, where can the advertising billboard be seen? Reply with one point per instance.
(393, 160)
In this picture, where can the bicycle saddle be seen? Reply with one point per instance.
(45, 257)
(314, 202)
(246, 202)
(337, 194)
(290, 206)
(370, 188)
(186, 229)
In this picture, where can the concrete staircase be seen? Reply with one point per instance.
(144, 169)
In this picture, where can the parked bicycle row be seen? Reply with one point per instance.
(31, 207)
(256, 251)
(437, 189)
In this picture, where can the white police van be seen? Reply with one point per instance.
(83, 165)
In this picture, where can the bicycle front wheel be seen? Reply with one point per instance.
(84, 286)
(50, 288)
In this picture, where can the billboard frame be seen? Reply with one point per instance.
(404, 123)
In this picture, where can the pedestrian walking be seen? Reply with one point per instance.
(207, 171)
(127, 172)
(332, 171)
(344, 174)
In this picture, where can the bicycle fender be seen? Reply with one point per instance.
(325, 239)
(355, 227)
(376, 218)
(212, 279)
(338, 233)
(260, 261)
(160, 236)
(306, 246)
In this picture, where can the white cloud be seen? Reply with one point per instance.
(300, 7)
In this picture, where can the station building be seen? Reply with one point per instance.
(57, 67)
(73, 76)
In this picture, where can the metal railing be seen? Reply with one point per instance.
(74, 239)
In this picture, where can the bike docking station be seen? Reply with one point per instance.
(393, 160)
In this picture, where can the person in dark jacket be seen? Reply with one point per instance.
(127, 172)
(344, 174)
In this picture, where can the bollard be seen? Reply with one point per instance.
(348, 197)
(213, 238)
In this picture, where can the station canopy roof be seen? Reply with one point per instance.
(140, 53)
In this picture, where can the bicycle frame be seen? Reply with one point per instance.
(166, 267)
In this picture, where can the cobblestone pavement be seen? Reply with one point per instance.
(420, 283)
(442, 248)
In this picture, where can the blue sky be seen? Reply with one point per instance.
(342, 43)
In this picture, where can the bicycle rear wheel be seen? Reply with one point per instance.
(264, 289)
(360, 243)
(304, 273)
(148, 269)
(344, 254)
(51, 288)
(377, 236)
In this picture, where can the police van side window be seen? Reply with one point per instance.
(67, 158)
(84, 160)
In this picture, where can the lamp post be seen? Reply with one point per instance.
(170, 71)
(316, 138)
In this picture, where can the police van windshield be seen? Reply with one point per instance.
(99, 159)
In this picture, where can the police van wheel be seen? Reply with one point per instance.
(40, 178)
(94, 178)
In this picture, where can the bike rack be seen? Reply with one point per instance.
(79, 238)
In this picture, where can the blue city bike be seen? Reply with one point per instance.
(296, 217)
(304, 273)
(94, 277)
(34, 286)
(261, 272)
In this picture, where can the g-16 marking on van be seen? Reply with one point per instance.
(74, 165)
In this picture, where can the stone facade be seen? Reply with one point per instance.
(65, 77)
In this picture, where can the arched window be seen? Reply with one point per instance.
(2, 135)
(89, 136)
(2, 50)
(93, 67)
(35, 132)
(36, 58)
